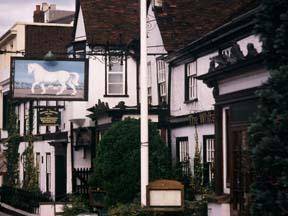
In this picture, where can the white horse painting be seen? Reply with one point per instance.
(43, 77)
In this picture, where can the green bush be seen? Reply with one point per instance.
(79, 204)
(196, 208)
(117, 163)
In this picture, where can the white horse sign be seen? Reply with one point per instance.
(65, 79)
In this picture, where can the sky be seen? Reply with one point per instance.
(12, 11)
(21, 69)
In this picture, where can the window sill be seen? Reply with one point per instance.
(191, 101)
(115, 95)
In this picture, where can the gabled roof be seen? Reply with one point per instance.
(111, 22)
(183, 21)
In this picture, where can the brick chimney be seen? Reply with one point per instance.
(38, 15)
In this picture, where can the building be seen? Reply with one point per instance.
(34, 40)
(46, 13)
(235, 73)
(109, 38)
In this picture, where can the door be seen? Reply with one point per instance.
(60, 173)
(241, 172)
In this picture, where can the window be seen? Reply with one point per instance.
(38, 167)
(116, 77)
(208, 158)
(210, 150)
(48, 172)
(5, 111)
(191, 81)
(182, 154)
(149, 69)
(161, 73)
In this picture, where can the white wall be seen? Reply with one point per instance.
(215, 209)
(189, 131)
(80, 30)
(205, 96)
(245, 81)
(155, 45)
(42, 147)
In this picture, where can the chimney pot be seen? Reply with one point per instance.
(37, 7)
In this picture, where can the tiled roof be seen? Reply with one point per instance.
(183, 21)
(41, 39)
(112, 22)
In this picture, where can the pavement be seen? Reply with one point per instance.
(4, 214)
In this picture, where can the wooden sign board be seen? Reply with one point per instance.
(165, 195)
(49, 116)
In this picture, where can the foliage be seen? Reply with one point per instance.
(12, 146)
(196, 208)
(197, 179)
(79, 204)
(117, 163)
(269, 132)
(272, 25)
(22, 199)
(269, 139)
(30, 182)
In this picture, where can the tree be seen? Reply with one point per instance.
(269, 138)
(117, 163)
(269, 131)
(272, 26)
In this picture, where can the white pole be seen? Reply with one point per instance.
(144, 105)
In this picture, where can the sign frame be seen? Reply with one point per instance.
(53, 108)
(52, 98)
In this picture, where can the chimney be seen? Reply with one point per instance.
(38, 15)
(45, 6)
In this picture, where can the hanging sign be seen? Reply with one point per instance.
(48, 116)
(62, 79)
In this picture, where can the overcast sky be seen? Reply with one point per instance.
(12, 11)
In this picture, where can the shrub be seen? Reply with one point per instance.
(79, 204)
(196, 208)
(117, 163)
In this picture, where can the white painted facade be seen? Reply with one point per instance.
(252, 79)
(15, 41)
(180, 107)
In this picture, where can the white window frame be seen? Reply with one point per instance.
(191, 73)
(161, 74)
(184, 150)
(210, 150)
(116, 83)
(48, 172)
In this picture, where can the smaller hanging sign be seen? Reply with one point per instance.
(49, 116)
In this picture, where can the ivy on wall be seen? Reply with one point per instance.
(12, 146)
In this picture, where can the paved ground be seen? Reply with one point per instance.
(4, 214)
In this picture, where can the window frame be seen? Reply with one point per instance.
(38, 167)
(180, 140)
(191, 82)
(162, 68)
(48, 173)
(124, 82)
